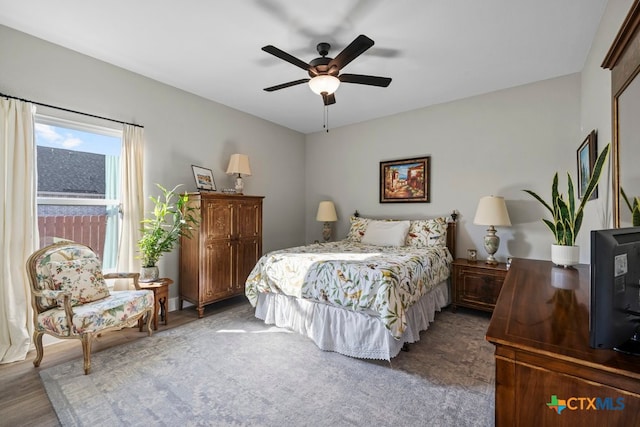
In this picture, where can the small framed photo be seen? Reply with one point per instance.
(587, 154)
(472, 255)
(204, 178)
(405, 180)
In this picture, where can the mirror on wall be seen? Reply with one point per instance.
(628, 149)
(623, 59)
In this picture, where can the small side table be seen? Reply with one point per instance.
(160, 290)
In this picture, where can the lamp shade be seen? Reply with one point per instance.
(324, 84)
(239, 163)
(326, 212)
(492, 210)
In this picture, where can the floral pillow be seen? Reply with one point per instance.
(358, 228)
(81, 277)
(427, 232)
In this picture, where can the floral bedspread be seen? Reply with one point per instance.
(386, 280)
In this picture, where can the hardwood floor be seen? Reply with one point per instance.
(23, 400)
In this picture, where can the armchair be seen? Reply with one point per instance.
(71, 300)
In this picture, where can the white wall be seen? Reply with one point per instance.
(498, 143)
(181, 129)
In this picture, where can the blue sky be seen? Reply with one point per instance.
(71, 139)
(403, 170)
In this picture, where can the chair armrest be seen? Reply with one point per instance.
(61, 297)
(134, 276)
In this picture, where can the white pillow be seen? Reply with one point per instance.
(386, 233)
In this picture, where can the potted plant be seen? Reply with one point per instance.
(161, 230)
(567, 220)
(635, 208)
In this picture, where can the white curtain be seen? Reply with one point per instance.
(132, 197)
(112, 191)
(19, 229)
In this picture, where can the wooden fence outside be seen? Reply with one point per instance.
(86, 229)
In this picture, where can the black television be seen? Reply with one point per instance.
(614, 318)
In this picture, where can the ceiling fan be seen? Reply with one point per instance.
(324, 72)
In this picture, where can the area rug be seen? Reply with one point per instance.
(230, 369)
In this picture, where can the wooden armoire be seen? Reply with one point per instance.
(221, 252)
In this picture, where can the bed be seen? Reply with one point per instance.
(366, 296)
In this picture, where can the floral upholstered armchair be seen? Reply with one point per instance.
(70, 298)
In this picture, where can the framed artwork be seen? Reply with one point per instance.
(204, 178)
(587, 154)
(405, 180)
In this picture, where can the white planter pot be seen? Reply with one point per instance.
(565, 256)
(149, 274)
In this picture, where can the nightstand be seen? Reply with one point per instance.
(476, 284)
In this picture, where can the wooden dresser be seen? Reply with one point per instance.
(216, 261)
(540, 327)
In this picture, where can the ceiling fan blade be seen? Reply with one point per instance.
(365, 80)
(329, 99)
(285, 85)
(351, 52)
(286, 57)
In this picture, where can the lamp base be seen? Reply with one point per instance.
(491, 260)
(491, 245)
(239, 185)
(326, 231)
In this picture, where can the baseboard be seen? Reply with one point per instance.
(174, 304)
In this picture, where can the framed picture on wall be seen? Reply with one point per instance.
(204, 178)
(587, 154)
(405, 180)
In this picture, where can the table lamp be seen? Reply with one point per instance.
(239, 163)
(327, 214)
(492, 211)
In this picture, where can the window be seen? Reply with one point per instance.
(78, 185)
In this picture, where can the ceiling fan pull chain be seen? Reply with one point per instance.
(326, 118)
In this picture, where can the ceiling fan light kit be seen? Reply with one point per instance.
(324, 84)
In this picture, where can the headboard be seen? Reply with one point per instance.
(451, 231)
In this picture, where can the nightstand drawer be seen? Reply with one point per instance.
(476, 285)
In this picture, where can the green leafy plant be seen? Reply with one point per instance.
(567, 220)
(168, 221)
(635, 208)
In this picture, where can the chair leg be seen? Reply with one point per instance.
(37, 341)
(86, 352)
(150, 322)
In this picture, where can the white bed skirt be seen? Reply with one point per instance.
(351, 333)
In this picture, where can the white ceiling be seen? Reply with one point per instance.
(434, 50)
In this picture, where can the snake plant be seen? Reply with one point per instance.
(635, 208)
(567, 220)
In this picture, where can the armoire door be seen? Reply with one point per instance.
(218, 253)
